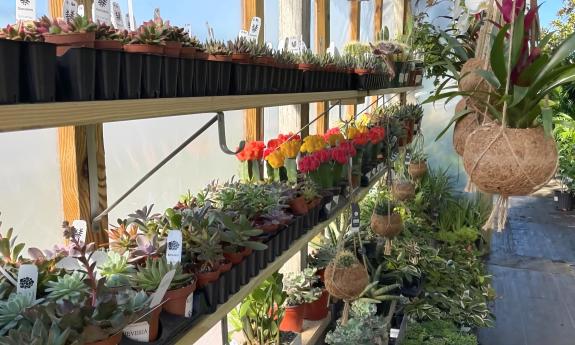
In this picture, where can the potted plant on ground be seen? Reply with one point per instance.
(316, 308)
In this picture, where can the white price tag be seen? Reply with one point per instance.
(81, 10)
(255, 26)
(158, 296)
(25, 10)
(328, 207)
(157, 15)
(82, 227)
(28, 281)
(69, 10)
(336, 199)
(139, 331)
(117, 19)
(294, 45)
(394, 333)
(355, 217)
(556, 198)
(243, 34)
(174, 247)
(331, 49)
(189, 305)
(101, 11)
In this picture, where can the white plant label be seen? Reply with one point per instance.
(328, 207)
(81, 10)
(255, 26)
(174, 247)
(69, 9)
(82, 227)
(127, 22)
(117, 20)
(394, 333)
(158, 296)
(189, 305)
(188, 28)
(139, 331)
(556, 198)
(25, 10)
(8, 276)
(294, 45)
(243, 34)
(157, 15)
(355, 217)
(28, 281)
(101, 11)
(336, 199)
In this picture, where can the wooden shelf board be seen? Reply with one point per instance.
(19, 117)
(208, 321)
(314, 330)
(392, 90)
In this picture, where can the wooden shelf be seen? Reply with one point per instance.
(208, 321)
(19, 117)
(314, 330)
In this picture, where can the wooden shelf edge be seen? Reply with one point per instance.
(208, 321)
(313, 330)
(392, 90)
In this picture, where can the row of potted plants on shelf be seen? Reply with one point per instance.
(160, 60)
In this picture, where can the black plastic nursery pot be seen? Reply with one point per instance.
(234, 280)
(9, 71)
(131, 75)
(186, 78)
(210, 292)
(565, 201)
(169, 83)
(108, 65)
(75, 78)
(219, 70)
(241, 79)
(151, 76)
(285, 240)
(223, 287)
(252, 265)
(38, 72)
(243, 272)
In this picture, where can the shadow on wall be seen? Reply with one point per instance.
(441, 153)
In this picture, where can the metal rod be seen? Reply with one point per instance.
(314, 120)
(157, 167)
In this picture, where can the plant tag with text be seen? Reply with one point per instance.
(255, 26)
(25, 9)
(69, 9)
(117, 19)
(158, 296)
(328, 207)
(355, 215)
(157, 15)
(139, 331)
(174, 247)
(243, 34)
(28, 281)
(189, 305)
(294, 45)
(81, 10)
(101, 11)
(82, 228)
(394, 333)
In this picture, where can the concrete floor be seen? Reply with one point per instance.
(533, 268)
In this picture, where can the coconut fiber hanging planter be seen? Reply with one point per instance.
(387, 225)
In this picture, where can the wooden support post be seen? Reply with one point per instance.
(354, 30)
(322, 41)
(253, 118)
(377, 27)
(294, 21)
(406, 12)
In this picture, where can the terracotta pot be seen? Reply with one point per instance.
(317, 310)
(305, 66)
(346, 283)
(108, 45)
(267, 228)
(247, 251)
(200, 55)
(387, 226)
(312, 204)
(417, 169)
(234, 258)
(355, 180)
(298, 206)
(220, 58)
(154, 321)
(241, 58)
(176, 299)
(113, 340)
(188, 52)
(225, 266)
(144, 49)
(71, 40)
(173, 48)
(361, 71)
(204, 278)
(264, 60)
(293, 319)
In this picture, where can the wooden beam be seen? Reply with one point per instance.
(322, 41)
(354, 35)
(377, 27)
(253, 118)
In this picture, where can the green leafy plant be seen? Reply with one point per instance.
(12, 311)
(438, 332)
(41, 333)
(207, 248)
(79, 24)
(363, 328)
(148, 277)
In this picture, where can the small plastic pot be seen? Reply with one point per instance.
(223, 288)
(151, 75)
(253, 268)
(131, 76)
(76, 75)
(298, 206)
(172, 49)
(211, 294)
(71, 40)
(176, 299)
(10, 71)
(234, 258)
(233, 280)
(243, 274)
(186, 78)
(169, 83)
(205, 278)
(108, 64)
(293, 319)
(200, 80)
(38, 72)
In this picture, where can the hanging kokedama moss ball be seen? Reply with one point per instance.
(403, 190)
(385, 225)
(417, 169)
(345, 277)
(464, 127)
(472, 82)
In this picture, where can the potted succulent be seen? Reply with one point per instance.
(219, 68)
(107, 37)
(418, 163)
(307, 63)
(108, 62)
(299, 290)
(78, 32)
(242, 69)
(171, 74)
(264, 67)
(9, 72)
(188, 65)
(149, 276)
(117, 270)
(207, 247)
(175, 36)
(317, 307)
(386, 222)
(38, 78)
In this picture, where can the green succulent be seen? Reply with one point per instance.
(299, 287)
(8, 248)
(345, 259)
(148, 277)
(70, 287)
(42, 333)
(12, 310)
(208, 249)
(117, 270)
(214, 47)
(308, 57)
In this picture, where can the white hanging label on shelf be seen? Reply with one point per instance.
(27, 281)
(243, 34)
(69, 9)
(294, 45)
(25, 10)
(82, 228)
(101, 11)
(189, 305)
(174, 247)
(157, 15)
(255, 26)
(328, 207)
(139, 331)
(81, 10)
(394, 333)
(117, 20)
(158, 296)
(127, 22)
(355, 216)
